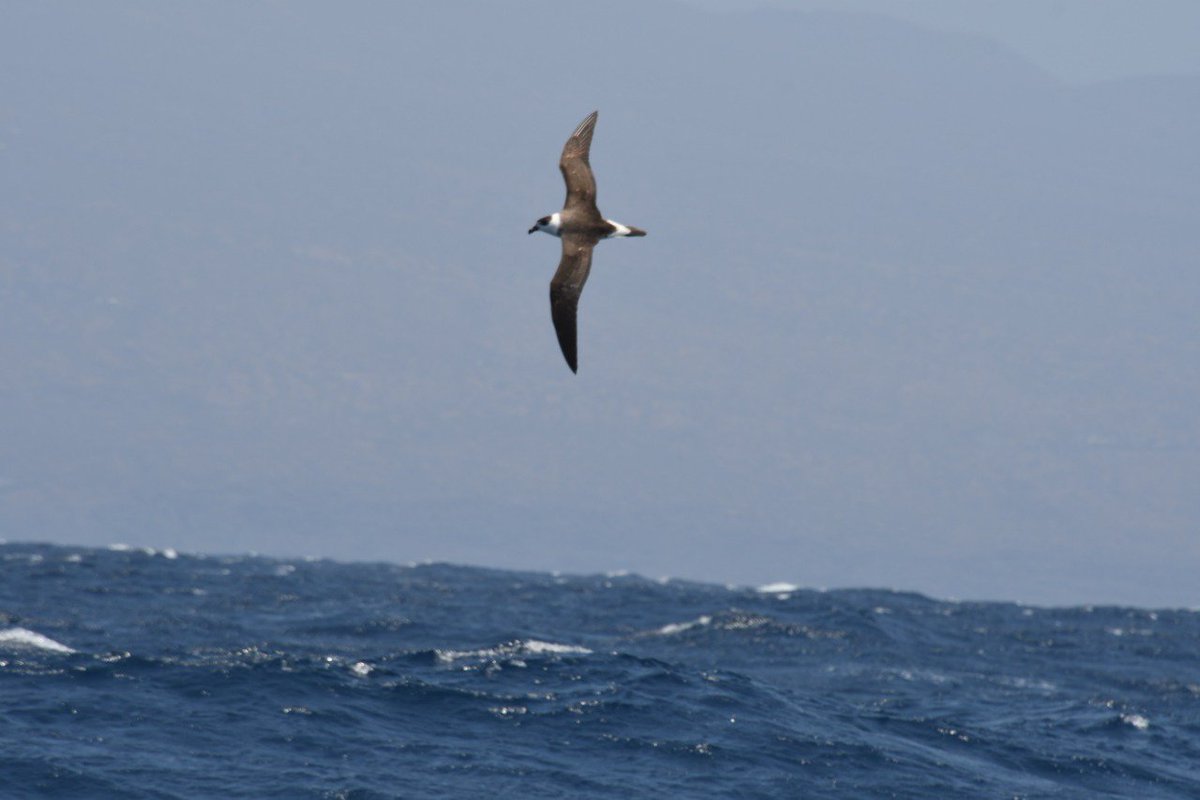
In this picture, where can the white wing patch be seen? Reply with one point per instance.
(621, 230)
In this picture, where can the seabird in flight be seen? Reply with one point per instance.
(580, 226)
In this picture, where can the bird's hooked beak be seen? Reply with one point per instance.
(534, 228)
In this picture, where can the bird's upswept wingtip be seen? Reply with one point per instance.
(588, 122)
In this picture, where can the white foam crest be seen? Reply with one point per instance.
(673, 628)
(508, 711)
(741, 622)
(778, 588)
(1136, 720)
(528, 647)
(920, 675)
(23, 637)
(450, 656)
(537, 647)
(1037, 684)
(167, 552)
(1129, 631)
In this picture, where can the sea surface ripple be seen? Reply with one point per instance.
(151, 674)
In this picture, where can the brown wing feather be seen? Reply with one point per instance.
(577, 172)
(565, 288)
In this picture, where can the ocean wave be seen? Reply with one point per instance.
(196, 674)
(673, 628)
(25, 639)
(1136, 721)
(514, 650)
(778, 588)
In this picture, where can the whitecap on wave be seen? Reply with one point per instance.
(778, 588)
(513, 650)
(672, 628)
(1136, 720)
(23, 638)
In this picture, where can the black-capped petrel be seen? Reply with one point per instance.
(580, 226)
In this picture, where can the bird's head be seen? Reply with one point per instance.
(550, 225)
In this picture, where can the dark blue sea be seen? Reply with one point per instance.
(149, 674)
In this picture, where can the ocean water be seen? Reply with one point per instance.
(141, 674)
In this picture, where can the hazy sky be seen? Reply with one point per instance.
(915, 310)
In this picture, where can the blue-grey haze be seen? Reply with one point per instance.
(1077, 40)
(914, 312)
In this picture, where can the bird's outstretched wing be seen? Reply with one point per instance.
(577, 172)
(565, 288)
